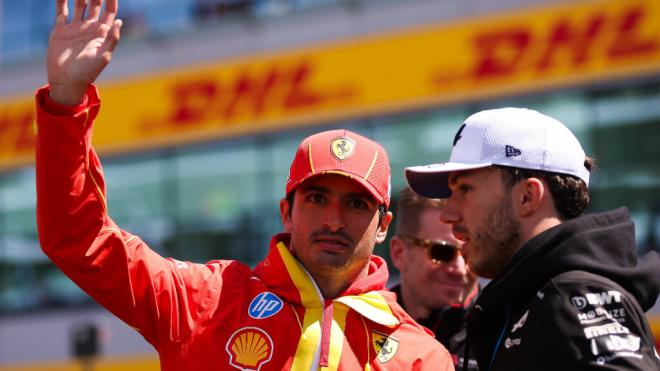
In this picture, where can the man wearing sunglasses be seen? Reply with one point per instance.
(435, 288)
(568, 290)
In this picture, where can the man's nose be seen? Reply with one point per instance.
(333, 217)
(456, 266)
(450, 213)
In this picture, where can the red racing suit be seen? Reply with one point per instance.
(216, 316)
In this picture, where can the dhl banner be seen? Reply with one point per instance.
(507, 53)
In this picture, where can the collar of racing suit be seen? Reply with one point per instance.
(323, 320)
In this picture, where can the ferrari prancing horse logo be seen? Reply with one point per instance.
(384, 345)
(342, 148)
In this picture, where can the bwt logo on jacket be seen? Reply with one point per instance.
(600, 298)
(264, 305)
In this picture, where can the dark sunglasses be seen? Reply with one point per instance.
(437, 251)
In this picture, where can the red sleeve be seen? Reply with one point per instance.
(435, 358)
(161, 298)
(57, 109)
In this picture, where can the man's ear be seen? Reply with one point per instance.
(285, 214)
(397, 252)
(382, 228)
(530, 195)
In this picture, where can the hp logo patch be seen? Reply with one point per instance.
(265, 305)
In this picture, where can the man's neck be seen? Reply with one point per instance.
(537, 226)
(416, 310)
(334, 283)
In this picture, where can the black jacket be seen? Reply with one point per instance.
(448, 326)
(572, 298)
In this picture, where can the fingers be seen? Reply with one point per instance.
(111, 40)
(79, 9)
(94, 10)
(110, 13)
(61, 12)
(93, 14)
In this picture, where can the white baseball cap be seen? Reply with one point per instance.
(516, 137)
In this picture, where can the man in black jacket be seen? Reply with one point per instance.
(435, 288)
(568, 291)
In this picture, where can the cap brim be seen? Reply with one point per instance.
(431, 181)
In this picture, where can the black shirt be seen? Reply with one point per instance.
(448, 326)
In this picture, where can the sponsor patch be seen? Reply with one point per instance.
(384, 345)
(458, 135)
(606, 329)
(249, 348)
(521, 322)
(603, 298)
(606, 359)
(512, 151)
(596, 298)
(508, 343)
(615, 343)
(342, 148)
(579, 302)
(599, 314)
(265, 305)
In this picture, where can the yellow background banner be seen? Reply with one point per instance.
(508, 53)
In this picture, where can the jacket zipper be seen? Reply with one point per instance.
(499, 340)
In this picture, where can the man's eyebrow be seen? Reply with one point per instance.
(364, 194)
(455, 177)
(322, 189)
(314, 188)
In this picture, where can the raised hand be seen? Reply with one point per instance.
(80, 50)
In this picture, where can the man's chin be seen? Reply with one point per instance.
(330, 261)
(450, 293)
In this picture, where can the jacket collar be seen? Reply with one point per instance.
(287, 278)
(600, 243)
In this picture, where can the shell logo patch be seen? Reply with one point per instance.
(384, 345)
(249, 348)
(342, 148)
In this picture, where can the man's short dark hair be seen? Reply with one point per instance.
(569, 193)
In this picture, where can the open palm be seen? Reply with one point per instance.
(80, 50)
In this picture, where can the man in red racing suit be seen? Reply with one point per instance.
(317, 301)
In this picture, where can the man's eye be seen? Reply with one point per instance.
(316, 198)
(359, 204)
(464, 188)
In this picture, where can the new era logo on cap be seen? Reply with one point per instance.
(516, 137)
(346, 153)
(511, 151)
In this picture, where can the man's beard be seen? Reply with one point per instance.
(497, 241)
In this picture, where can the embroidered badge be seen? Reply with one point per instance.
(249, 348)
(384, 345)
(264, 305)
(342, 148)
